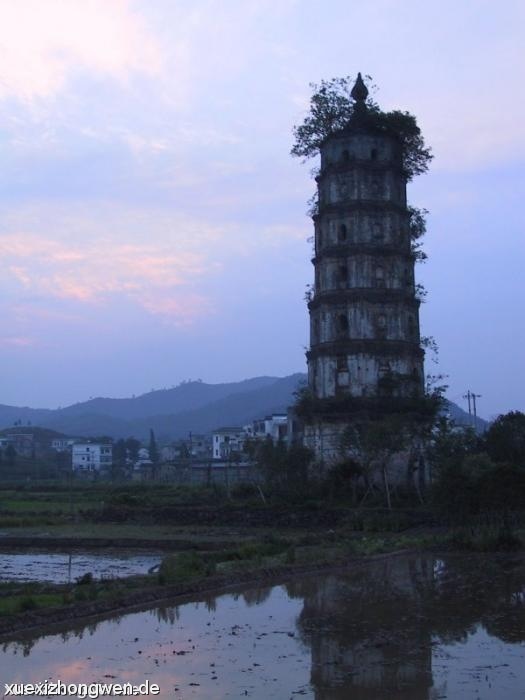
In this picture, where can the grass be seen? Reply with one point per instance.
(34, 596)
(21, 603)
(186, 566)
(487, 538)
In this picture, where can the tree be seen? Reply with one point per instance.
(449, 446)
(153, 449)
(119, 454)
(10, 455)
(331, 109)
(505, 439)
(284, 468)
(417, 225)
(133, 447)
(372, 444)
(118, 467)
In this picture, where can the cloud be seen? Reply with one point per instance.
(16, 341)
(44, 43)
(182, 311)
(92, 272)
(153, 261)
(59, 260)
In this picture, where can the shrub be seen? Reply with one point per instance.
(27, 603)
(184, 566)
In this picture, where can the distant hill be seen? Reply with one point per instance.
(185, 397)
(236, 409)
(40, 434)
(461, 417)
(173, 413)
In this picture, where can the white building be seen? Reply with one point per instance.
(228, 441)
(199, 445)
(62, 444)
(92, 456)
(274, 426)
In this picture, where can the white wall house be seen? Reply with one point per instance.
(227, 441)
(274, 426)
(62, 444)
(92, 456)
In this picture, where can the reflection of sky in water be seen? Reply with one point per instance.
(226, 651)
(401, 628)
(61, 568)
(481, 668)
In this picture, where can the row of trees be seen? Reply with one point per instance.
(126, 453)
(478, 474)
(466, 472)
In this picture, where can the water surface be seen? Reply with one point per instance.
(410, 627)
(55, 567)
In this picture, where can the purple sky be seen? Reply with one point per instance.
(153, 224)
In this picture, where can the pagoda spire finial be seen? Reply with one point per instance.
(359, 91)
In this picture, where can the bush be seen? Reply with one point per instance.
(27, 603)
(175, 568)
(126, 499)
(505, 439)
(479, 486)
(486, 538)
(245, 491)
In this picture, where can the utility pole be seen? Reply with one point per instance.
(191, 456)
(471, 397)
(467, 396)
(474, 397)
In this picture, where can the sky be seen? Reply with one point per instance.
(153, 224)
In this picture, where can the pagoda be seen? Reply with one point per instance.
(365, 348)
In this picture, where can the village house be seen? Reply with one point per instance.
(274, 426)
(228, 441)
(92, 456)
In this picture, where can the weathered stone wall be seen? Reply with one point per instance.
(391, 319)
(373, 225)
(364, 269)
(364, 313)
(326, 438)
(357, 374)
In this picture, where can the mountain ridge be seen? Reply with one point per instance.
(172, 413)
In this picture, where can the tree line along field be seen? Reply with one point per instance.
(472, 476)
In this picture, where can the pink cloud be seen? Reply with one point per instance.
(16, 341)
(181, 310)
(43, 43)
(148, 274)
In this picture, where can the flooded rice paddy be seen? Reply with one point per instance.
(65, 568)
(411, 627)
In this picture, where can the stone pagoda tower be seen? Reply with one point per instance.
(364, 314)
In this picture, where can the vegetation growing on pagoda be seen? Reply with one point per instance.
(331, 109)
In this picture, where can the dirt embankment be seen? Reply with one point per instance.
(44, 620)
(263, 516)
(285, 516)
